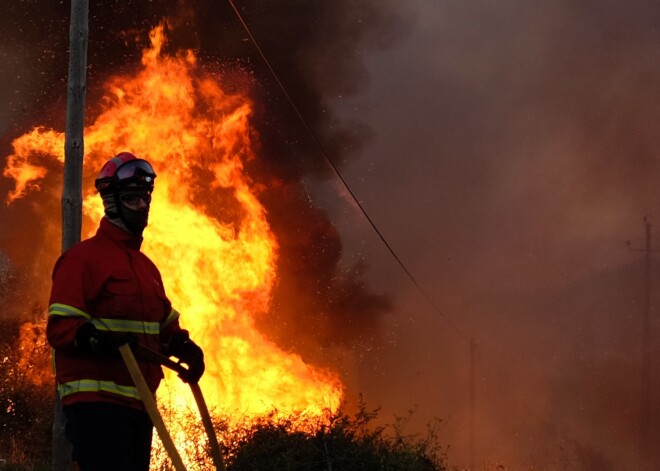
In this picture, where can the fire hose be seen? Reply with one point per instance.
(150, 403)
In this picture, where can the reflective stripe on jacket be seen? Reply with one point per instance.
(107, 281)
(95, 386)
(115, 325)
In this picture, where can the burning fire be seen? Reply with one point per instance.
(218, 270)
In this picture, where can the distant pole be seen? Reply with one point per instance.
(72, 185)
(646, 446)
(473, 400)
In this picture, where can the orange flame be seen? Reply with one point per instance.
(32, 362)
(218, 274)
(22, 165)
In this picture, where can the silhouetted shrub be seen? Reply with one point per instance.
(26, 396)
(345, 443)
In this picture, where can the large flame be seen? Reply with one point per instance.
(219, 271)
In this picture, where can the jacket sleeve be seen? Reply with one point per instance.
(170, 323)
(72, 286)
(169, 326)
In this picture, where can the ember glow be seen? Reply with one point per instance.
(32, 363)
(218, 270)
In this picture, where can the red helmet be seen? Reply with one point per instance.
(122, 170)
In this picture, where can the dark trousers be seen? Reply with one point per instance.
(108, 437)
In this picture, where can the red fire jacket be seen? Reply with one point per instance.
(106, 280)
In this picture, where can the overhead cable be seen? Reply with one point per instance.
(339, 175)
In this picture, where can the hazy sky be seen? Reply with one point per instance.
(514, 152)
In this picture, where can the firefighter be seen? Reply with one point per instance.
(107, 293)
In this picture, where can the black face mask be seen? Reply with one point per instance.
(135, 220)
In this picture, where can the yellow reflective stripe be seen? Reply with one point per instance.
(92, 385)
(171, 317)
(65, 310)
(123, 325)
(115, 325)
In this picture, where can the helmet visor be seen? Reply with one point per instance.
(135, 171)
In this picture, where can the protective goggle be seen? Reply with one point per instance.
(137, 170)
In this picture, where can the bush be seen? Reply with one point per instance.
(336, 442)
(343, 444)
(26, 397)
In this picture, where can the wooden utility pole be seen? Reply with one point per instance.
(72, 185)
(75, 116)
(647, 415)
(646, 445)
(473, 401)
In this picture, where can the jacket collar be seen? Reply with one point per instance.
(119, 235)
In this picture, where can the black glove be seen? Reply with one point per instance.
(90, 340)
(189, 353)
